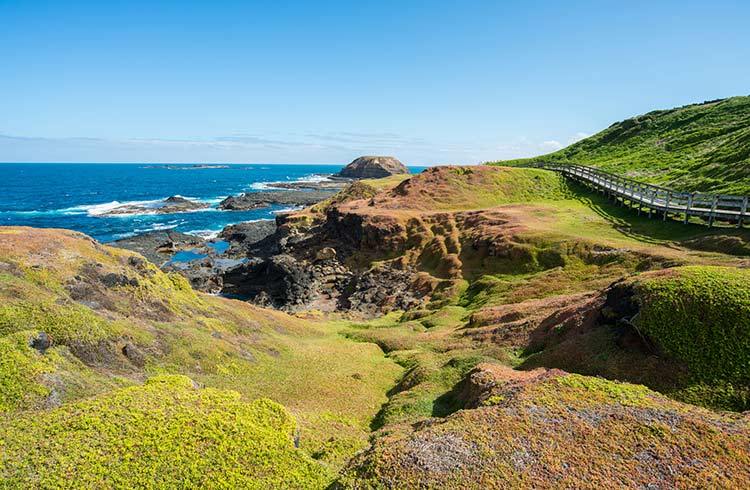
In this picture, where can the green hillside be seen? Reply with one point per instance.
(701, 147)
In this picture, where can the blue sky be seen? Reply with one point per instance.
(430, 82)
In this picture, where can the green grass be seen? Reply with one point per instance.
(699, 147)
(164, 434)
(577, 244)
(333, 386)
(701, 316)
(456, 188)
(20, 368)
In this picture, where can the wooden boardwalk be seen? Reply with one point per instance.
(654, 199)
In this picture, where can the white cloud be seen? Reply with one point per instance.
(333, 147)
(578, 137)
(551, 145)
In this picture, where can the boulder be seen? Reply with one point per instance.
(373, 167)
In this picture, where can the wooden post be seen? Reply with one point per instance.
(666, 205)
(651, 208)
(640, 199)
(713, 211)
(742, 212)
(689, 205)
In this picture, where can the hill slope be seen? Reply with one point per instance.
(698, 147)
(79, 319)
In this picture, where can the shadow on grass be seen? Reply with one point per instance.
(652, 230)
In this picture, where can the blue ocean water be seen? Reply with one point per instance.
(75, 196)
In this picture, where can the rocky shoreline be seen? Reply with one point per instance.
(285, 264)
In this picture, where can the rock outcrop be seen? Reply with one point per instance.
(259, 200)
(373, 167)
(248, 238)
(160, 246)
(170, 205)
(551, 429)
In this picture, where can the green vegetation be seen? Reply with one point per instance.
(531, 253)
(164, 434)
(20, 369)
(113, 324)
(699, 147)
(456, 188)
(701, 316)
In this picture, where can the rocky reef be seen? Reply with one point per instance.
(259, 200)
(170, 205)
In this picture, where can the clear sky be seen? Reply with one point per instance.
(322, 82)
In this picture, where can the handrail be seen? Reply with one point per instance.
(655, 198)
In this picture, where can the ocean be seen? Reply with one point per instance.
(77, 196)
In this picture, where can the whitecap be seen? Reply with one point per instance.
(157, 227)
(107, 207)
(205, 234)
(287, 210)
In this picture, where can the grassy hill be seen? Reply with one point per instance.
(700, 147)
(82, 321)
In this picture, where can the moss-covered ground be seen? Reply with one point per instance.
(538, 254)
(164, 434)
(114, 320)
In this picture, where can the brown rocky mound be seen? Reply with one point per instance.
(373, 167)
(550, 429)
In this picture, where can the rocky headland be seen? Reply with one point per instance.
(249, 238)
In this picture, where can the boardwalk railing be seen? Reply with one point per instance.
(655, 199)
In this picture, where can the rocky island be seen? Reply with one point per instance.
(366, 167)
(172, 204)
(373, 167)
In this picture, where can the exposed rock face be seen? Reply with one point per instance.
(373, 167)
(203, 274)
(258, 200)
(245, 238)
(380, 290)
(280, 281)
(159, 246)
(309, 267)
(170, 205)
